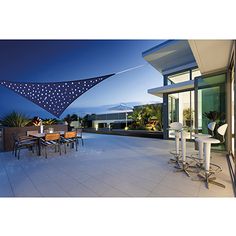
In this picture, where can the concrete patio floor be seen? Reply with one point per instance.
(107, 166)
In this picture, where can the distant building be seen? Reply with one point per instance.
(111, 120)
(117, 120)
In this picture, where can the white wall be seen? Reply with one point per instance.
(96, 122)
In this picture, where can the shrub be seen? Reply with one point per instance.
(50, 121)
(142, 116)
(36, 121)
(134, 126)
(15, 119)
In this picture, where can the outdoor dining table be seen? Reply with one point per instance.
(42, 135)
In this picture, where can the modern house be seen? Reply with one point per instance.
(198, 82)
(117, 119)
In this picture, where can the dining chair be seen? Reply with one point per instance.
(70, 138)
(51, 140)
(80, 135)
(22, 142)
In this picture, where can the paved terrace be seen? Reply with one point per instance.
(107, 166)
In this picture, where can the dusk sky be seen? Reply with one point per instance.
(57, 60)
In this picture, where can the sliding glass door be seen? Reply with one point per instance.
(196, 109)
(181, 104)
(181, 109)
(211, 104)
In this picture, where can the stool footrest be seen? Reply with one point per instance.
(174, 153)
(174, 161)
(207, 179)
(185, 168)
(218, 168)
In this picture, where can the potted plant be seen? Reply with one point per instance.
(215, 116)
(188, 117)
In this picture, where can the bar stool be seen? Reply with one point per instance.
(207, 154)
(185, 165)
(211, 127)
(221, 132)
(208, 172)
(176, 127)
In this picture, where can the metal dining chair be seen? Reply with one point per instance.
(80, 135)
(51, 140)
(22, 142)
(70, 138)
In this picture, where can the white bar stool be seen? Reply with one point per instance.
(206, 142)
(207, 156)
(200, 147)
(185, 165)
(211, 127)
(176, 127)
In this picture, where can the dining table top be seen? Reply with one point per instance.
(42, 135)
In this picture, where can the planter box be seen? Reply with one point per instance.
(1, 139)
(8, 131)
(135, 133)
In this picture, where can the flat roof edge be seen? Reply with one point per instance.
(185, 66)
(159, 46)
(171, 87)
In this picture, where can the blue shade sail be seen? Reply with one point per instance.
(54, 97)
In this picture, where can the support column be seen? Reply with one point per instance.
(165, 111)
(196, 109)
(165, 116)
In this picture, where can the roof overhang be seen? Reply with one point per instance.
(172, 88)
(170, 56)
(211, 55)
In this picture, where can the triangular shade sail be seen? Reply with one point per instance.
(54, 97)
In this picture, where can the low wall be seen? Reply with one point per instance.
(8, 131)
(135, 133)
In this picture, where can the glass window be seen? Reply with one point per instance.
(211, 81)
(173, 100)
(181, 109)
(211, 103)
